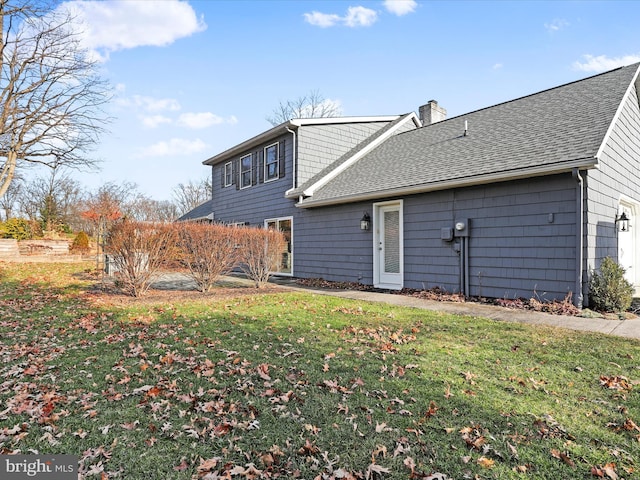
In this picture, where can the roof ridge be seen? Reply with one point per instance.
(535, 93)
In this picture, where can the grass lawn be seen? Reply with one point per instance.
(245, 385)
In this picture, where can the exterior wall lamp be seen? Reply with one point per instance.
(365, 222)
(622, 222)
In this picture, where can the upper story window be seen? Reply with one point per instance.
(228, 174)
(271, 162)
(245, 171)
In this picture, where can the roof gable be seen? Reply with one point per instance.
(353, 155)
(551, 131)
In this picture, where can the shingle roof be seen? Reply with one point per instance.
(386, 130)
(550, 131)
(202, 211)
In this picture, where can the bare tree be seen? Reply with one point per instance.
(311, 105)
(188, 196)
(145, 209)
(51, 95)
(55, 201)
(10, 201)
(107, 204)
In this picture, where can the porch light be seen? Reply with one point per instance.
(365, 222)
(622, 222)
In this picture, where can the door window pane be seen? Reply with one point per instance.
(392, 241)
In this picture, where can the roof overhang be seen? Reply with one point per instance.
(495, 177)
(285, 127)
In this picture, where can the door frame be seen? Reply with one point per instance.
(378, 211)
(289, 252)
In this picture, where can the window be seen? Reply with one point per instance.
(245, 171)
(271, 162)
(228, 174)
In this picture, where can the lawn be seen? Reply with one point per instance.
(240, 384)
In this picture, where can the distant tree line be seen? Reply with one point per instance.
(59, 204)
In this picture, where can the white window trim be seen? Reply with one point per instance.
(241, 175)
(277, 145)
(278, 219)
(230, 166)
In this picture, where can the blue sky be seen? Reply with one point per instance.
(192, 79)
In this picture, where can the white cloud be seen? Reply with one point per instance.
(497, 66)
(173, 147)
(203, 120)
(602, 63)
(112, 25)
(360, 17)
(556, 24)
(154, 121)
(149, 104)
(400, 7)
(323, 20)
(355, 17)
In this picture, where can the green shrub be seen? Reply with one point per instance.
(609, 290)
(17, 228)
(80, 243)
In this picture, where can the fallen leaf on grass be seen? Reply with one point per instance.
(375, 471)
(562, 456)
(485, 462)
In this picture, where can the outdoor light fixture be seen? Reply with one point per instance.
(622, 222)
(365, 222)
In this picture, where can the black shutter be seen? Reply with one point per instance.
(281, 159)
(254, 168)
(260, 172)
(224, 171)
(236, 173)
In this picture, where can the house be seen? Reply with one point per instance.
(520, 199)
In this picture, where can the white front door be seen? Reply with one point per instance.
(628, 248)
(388, 266)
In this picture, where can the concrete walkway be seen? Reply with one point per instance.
(629, 328)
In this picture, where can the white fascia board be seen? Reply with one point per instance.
(361, 153)
(247, 144)
(301, 122)
(582, 164)
(614, 121)
(291, 124)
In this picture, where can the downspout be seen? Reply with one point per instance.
(293, 157)
(578, 301)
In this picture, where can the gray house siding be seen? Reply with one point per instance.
(522, 240)
(255, 203)
(329, 244)
(523, 237)
(618, 175)
(321, 145)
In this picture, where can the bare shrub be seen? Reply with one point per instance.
(260, 253)
(208, 251)
(138, 251)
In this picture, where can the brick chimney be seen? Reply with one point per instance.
(431, 113)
